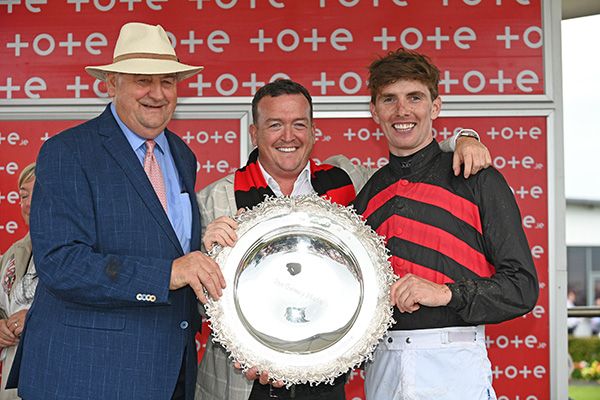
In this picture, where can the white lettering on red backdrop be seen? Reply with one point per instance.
(482, 47)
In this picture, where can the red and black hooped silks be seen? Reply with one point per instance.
(250, 186)
(431, 231)
(452, 231)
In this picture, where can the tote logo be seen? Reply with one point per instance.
(243, 53)
(508, 133)
(514, 342)
(523, 372)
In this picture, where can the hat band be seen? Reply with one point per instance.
(151, 56)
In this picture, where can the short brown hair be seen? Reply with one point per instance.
(403, 65)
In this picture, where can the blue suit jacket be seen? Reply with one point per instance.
(103, 248)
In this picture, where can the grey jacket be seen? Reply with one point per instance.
(217, 378)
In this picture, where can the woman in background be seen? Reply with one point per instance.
(18, 279)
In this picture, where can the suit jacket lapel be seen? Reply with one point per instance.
(118, 147)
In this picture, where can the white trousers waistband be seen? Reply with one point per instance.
(420, 338)
(441, 364)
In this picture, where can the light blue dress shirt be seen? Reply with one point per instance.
(179, 205)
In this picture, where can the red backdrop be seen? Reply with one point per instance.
(518, 349)
(481, 47)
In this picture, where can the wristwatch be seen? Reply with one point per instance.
(465, 132)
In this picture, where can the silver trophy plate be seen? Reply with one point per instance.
(307, 295)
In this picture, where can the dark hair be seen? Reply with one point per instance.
(403, 65)
(278, 88)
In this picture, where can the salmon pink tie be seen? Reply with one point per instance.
(154, 173)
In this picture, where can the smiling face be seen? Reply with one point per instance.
(284, 135)
(145, 103)
(405, 111)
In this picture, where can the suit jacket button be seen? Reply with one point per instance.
(183, 324)
(139, 297)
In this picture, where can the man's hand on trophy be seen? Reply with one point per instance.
(221, 231)
(263, 377)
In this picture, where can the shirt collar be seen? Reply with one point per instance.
(302, 178)
(404, 166)
(134, 140)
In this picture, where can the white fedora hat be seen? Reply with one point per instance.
(144, 49)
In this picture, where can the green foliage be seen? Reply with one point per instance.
(587, 371)
(584, 349)
(586, 358)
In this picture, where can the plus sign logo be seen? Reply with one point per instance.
(532, 37)
(522, 192)
(363, 134)
(438, 38)
(288, 40)
(228, 84)
(447, 82)
(369, 162)
(515, 342)
(204, 137)
(78, 88)
(191, 42)
(199, 85)
(508, 133)
(208, 166)
(349, 83)
(12, 139)
(444, 133)
(323, 83)
(514, 162)
(9, 88)
(524, 372)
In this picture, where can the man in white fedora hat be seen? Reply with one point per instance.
(116, 231)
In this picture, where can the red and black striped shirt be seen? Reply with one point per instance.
(466, 233)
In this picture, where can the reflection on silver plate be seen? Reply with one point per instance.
(308, 290)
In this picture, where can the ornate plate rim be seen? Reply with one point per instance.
(362, 349)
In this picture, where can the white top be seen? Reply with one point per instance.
(302, 185)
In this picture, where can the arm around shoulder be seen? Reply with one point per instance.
(358, 173)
